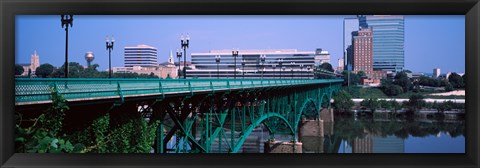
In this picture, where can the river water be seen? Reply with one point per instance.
(372, 134)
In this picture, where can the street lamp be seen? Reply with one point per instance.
(66, 20)
(235, 55)
(291, 67)
(109, 43)
(301, 70)
(217, 59)
(280, 62)
(243, 68)
(184, 43)
(179, 56)
(262, 58)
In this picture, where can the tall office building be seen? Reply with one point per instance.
(362, 51)
(349, 25)
(141, 55)
(341, 64)
(436, 72)
(388, 41)
(291, 62)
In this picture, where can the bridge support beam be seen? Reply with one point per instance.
(282, 147)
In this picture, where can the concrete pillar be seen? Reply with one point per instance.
(326, 114)
(312, 144)
(311, 128)
(328, 119)
(282, 147)
(328, 128)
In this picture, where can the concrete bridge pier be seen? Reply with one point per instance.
(311, 134)
(273, 146)
(328, 120)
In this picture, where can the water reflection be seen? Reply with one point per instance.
(395, 134)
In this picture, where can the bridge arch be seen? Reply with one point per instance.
(304, 106)
(257, 122)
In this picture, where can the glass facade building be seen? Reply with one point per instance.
(349, 25)
(141, 55)
(278, 64)
(388, 41)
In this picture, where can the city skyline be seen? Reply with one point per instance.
(430, 41)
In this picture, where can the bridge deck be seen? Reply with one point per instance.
(38, 91)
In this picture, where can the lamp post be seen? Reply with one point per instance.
(179, 56)
(184, 43)
(308, 70)
(301, 71)
(273, 67)
(280, 62)
(109, 43)
(217, 59)
(235, 55)
(243, 68)
(291, 67)
(66, 21)
(262, 58)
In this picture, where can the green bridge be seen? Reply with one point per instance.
(201, 112)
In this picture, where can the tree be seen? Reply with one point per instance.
(401, 79)
(44, 70)
(29, 73)
(395, 105)
(18, 69)
(343, 101)
(392, 90)
(361, 74)
(449, 87)
(371, 103)
(326, 66)
(353, 78)
(456, 80)
(384, 104)
(416, 102)
(464, 77)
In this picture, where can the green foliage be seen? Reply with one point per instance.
(44, 70)
(384, 104)
(415, 102)
(456, 80)
(401, 79)
(370, 103)
(449, 87)
(18, 69)
(100, 130)
(392, 90)
(326, 66)
(343, 101)
(135, 136)
(395, 105)
(42, 136)
(354, 78)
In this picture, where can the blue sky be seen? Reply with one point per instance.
(430, 41)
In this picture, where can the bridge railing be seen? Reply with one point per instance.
(37, 90)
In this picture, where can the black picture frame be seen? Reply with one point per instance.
(10, 8)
